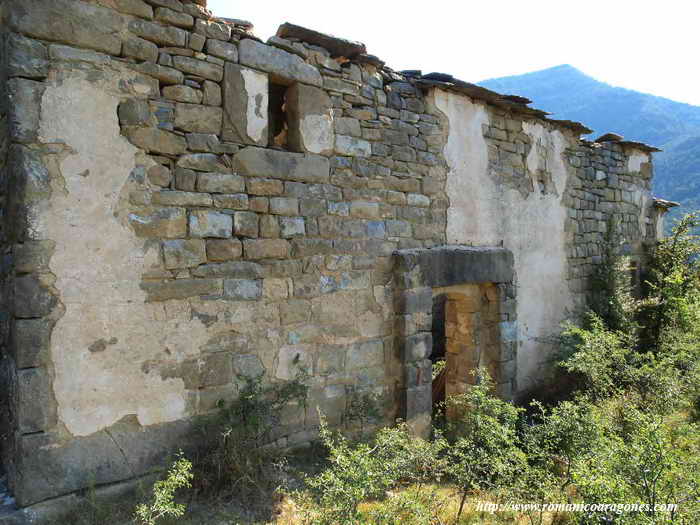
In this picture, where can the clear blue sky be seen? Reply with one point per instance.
(649, 46)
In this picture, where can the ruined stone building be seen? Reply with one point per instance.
(184, 205)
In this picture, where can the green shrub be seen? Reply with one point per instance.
(244, 463)
(656, 463)
(483, 452)
(163, 502)
(366, 470)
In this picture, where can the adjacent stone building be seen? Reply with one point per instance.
(184, 205)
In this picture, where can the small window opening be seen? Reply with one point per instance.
(277, 116)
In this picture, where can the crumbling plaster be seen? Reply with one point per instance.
(532, 228)
(98, 264)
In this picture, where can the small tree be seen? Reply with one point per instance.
(163, 502)
(483, 452)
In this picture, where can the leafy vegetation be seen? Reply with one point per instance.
(163, 503)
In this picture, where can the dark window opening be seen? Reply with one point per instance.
(277, 116)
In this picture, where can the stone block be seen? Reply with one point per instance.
(203, 162)
(246, 100)
(292, 227)
(166, 75)
(224, 249)
(352, 147)
(260, 162)
(203, 142)
(204, 223)
(266, 249)
(163, 223)
(140, 49)
(159, 176)
(223, 50)
(293, 360)
(376, 229)
(309, 119)
(181, 289)
(184, 94)
(134, 7)
(33, 256)
(364, 210)
(284, 206)
(245, 224)
(168, 16)
(220, 183)
(269, 227)
(348, 126)
(154, 140)
(184, 253)
(509, 331)
(330, 360)
(24, 97)
(243, 289)
(419, 373)
(158, 34)
(232, 201)
(198, 119)
(313, 207)
(282, 66)
(185, 180)
(36, 408)
(264, 186)
(418, 413)
(181, 198)
(213, 29)
(416, 347)
(398, 228)
(212, 93)
(30, 342)
(248, 366)
(26, 57)
(275, 289)
(295, 311)
(340, 85)
(75, 23)
(230, 269)
(451, 265)
(199, 68)
(32, 297)
(365, 355)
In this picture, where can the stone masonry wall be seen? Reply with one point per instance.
(533, 187)
(191, 206)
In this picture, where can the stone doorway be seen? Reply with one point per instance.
(472, 336)
(477, 290)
